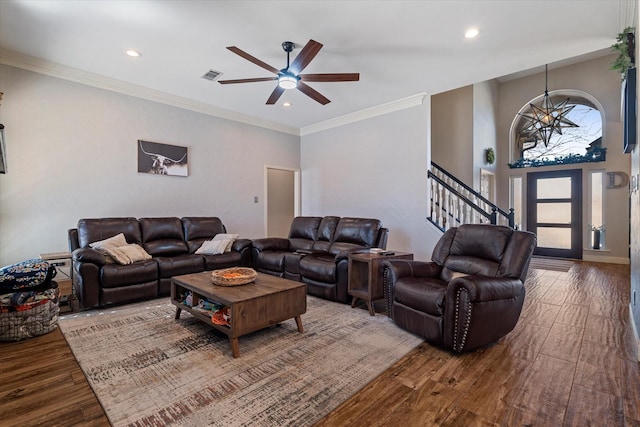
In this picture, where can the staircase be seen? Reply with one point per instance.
(454, 203)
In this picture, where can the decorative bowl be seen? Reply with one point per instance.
(233, 276)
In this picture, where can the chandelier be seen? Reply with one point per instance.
(547, 118)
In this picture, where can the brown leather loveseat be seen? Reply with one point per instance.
(316, 252)
(171, 243)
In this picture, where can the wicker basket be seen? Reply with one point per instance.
(233, 276)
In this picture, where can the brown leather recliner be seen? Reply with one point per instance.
(472, 292)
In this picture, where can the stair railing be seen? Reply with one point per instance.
(454, 203)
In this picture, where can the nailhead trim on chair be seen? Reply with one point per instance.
(466, 322)
(386, 288)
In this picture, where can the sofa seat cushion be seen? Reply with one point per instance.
(424, 295)
(115, 275)
(319, 267)
(229, 259)
(179, 264)
(271, 260)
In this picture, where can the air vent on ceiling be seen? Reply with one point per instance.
(212, 75)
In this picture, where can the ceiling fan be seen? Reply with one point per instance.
(290, 77)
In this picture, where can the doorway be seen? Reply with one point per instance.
(282, 200)
(554, 212)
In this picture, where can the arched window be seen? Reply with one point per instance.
(575, 145)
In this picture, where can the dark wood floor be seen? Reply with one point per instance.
(571, 361)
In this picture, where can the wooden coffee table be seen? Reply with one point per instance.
(266, 301)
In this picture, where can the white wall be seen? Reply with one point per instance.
(452, 132)
(71, 153)
(485, 117)
(374, 168)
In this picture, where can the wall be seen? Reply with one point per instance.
(71, 152)
(595, 78)
(485, 106)
(452, 132)
(374, 168)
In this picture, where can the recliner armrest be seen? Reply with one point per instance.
(89, 255)
(271, 244)
(408, 268)
(241, 244)
(484, 288)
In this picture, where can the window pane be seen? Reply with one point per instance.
(516, 200)
(554, 213)
(572, 141)
(554, 237)
(554, 188)
(596, 199)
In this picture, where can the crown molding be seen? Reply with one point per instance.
(38, 65)
(41, 66)
(368, 113)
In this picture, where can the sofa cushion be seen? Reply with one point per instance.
(418, 293)
(271, 260)
(303, 232)
(163, 236)
(355, 232)
(225, 260)
(319, 267)
(198, 229)
(115, 275)
(326, 230)
(179, 264)
(95, 229)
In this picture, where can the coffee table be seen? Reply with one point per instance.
(266, 301)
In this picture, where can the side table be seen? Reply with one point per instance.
(62, 262)
(365, 276)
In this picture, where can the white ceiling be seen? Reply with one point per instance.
(400, 48)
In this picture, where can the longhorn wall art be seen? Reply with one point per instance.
(162, 159)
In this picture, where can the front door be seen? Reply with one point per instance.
(554, 212)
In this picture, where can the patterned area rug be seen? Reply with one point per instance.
(553, 264)
(148, 369)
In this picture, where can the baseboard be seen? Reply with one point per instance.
(607, 259)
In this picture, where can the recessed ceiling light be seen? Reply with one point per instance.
(471, 33)
(133, 53)
(286, 104)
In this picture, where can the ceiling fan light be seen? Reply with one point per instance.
(287, 81)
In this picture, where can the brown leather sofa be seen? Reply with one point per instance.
(472, 292)
(171, 242)
(316, 252)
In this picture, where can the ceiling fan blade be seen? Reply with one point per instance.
(313, 94)
(331, 77)
(275, 95)
(308, 52)
(258, 79)
(253, 59)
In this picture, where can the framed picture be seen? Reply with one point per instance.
(162, 159)
(3, 151)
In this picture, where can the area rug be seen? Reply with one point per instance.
(148, 369)
(552, 264)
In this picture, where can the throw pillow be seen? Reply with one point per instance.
(229, 237)
(214, 247)
(128, 254)
(112, 242)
